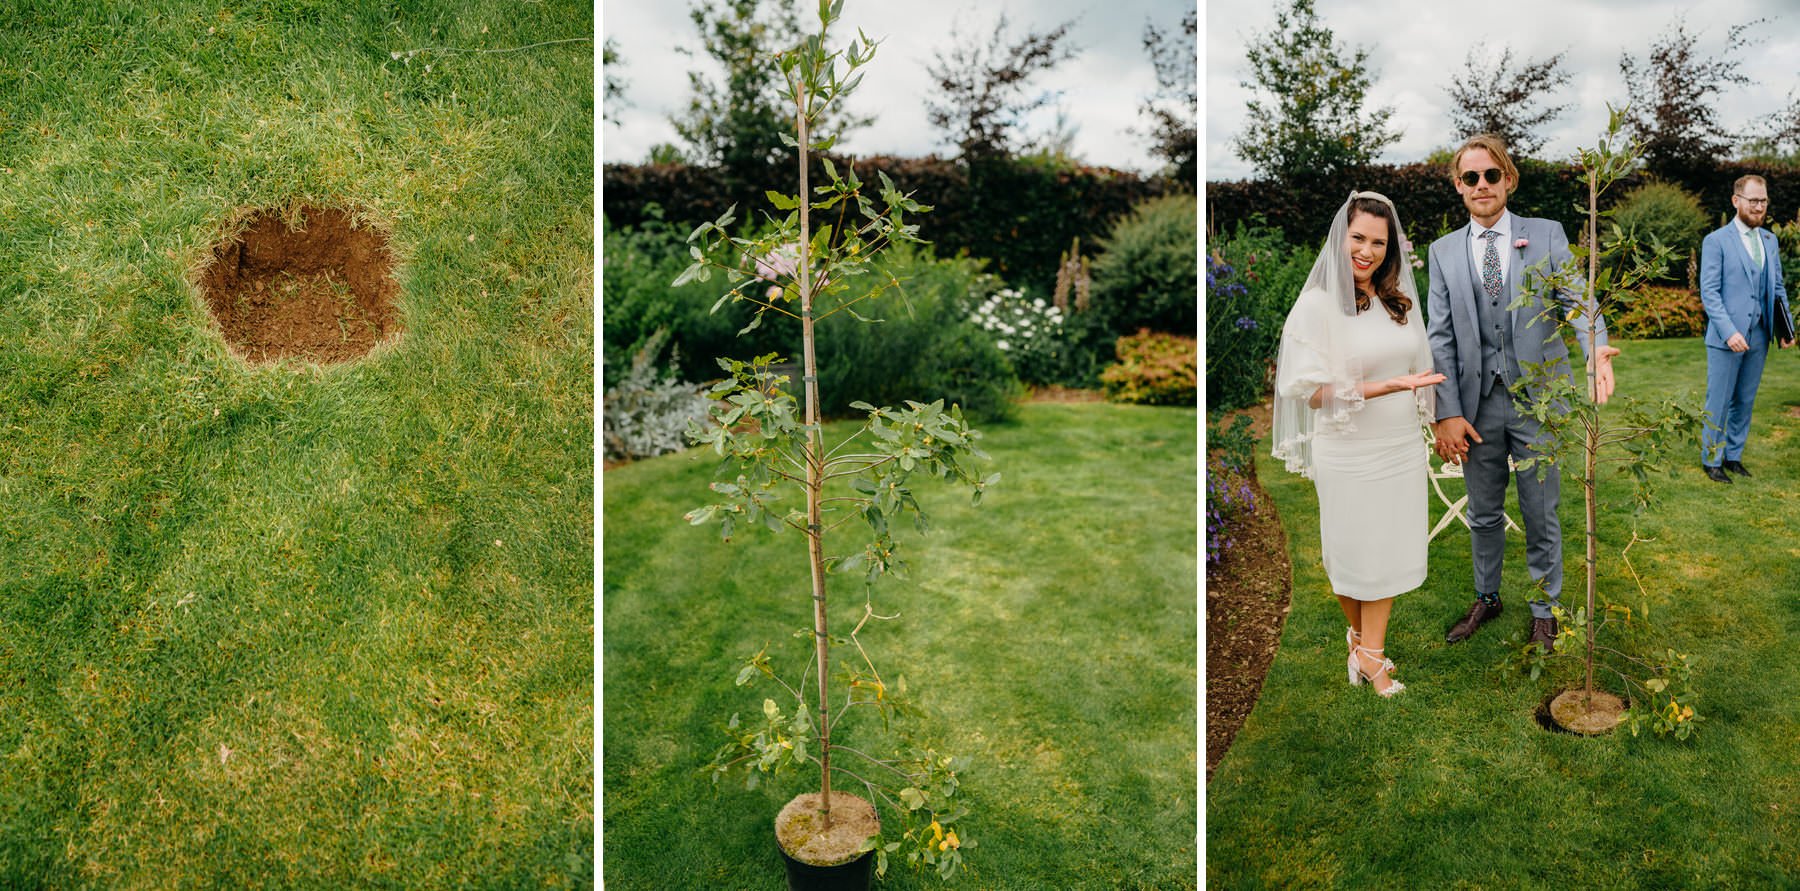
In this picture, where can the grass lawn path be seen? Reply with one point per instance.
(1454, 784)
(1048, 634)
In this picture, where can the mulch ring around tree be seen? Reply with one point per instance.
(1247, 599)
(315, 284)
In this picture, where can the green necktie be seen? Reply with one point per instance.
(1756, 251)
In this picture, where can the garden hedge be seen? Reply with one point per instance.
(1429, 204)
(1019, 213)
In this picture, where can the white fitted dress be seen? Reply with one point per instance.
(1368, 455)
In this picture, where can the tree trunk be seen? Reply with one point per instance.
(815, 469)
(1592, 446)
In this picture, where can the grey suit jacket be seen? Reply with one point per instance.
(1452, 327)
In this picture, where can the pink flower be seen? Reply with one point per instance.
(1522, 243)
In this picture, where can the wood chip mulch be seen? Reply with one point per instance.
(1247, 601)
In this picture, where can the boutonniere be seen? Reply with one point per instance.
(1522, 243)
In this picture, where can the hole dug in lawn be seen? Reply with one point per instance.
(323, 291)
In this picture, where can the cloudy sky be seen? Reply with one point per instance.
(1102, 87)
(1416, 48)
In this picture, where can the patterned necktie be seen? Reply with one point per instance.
(1490, 266)
(1756, 252)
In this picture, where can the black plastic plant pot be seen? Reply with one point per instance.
(851, 876)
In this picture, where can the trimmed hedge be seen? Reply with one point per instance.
(1429, 204)
(1020, 214)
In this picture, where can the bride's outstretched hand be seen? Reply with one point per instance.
(1422, 379)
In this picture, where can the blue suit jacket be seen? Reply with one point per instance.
(1453, 326)
(1732, 303)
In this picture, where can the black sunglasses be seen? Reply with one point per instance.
(1470, 177)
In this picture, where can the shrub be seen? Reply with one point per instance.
(636, 302)
(1252, 278)
(1229, 468)
(1657, 210)
(925, 348)
(1144, 277)
(1660, 312)
(1030, 331)
(647, 412)
(1787, 235)
(1154, 369)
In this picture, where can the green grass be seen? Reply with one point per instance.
(1455, 785)
(1049, 634)
(286, 626)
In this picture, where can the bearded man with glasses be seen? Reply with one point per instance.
(1477, 272)
(1746, 309)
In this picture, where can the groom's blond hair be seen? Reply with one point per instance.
(1493, 145)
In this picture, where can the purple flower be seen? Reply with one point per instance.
(1246, 323)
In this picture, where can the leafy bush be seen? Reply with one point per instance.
(1229, 467)
(1017, 213)
(1660, 312)
(1144, 277)
(1787, 235)
(1154, 369)
(925, 347)
(1252, 278)
(1656, 210)
(1030, 332)
(647, 412)
(636, 302)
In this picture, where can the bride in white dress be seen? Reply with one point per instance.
(1351, 386)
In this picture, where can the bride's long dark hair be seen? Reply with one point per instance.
(1386, 279)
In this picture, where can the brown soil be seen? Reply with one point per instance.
(799, 828)
(322, 292)
(1247, 601)
(1055, 393)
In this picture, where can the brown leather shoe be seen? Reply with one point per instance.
(1543, 633)
(1480, 613)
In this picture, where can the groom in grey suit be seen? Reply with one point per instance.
(1476, 272)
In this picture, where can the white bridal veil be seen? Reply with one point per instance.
(1313, 353)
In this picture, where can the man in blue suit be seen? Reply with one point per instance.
(1740, 287)
(1476, 273)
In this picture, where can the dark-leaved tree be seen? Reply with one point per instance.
(1172, 109)
(737, 124)
(1672, 97)
(1494, 97)
(984, 88)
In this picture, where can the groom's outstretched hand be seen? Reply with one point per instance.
(1453, 435)
(1603, 374)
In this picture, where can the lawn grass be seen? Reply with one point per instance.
(1048, 634)
(290, 626)
(1454, 784)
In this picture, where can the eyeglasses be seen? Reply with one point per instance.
(1470, 177)
(1753, 202)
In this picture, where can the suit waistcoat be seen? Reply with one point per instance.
(1498, 358)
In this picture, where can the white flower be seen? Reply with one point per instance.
(1002, 345)
(1039, 303)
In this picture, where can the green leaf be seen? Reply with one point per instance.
(770, 710)
(830, 168)
(912, 798)
(781, 202)
(744, 676)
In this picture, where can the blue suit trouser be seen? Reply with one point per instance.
(1731, 382)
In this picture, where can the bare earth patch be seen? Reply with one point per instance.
(1247, 601)
(322, 290)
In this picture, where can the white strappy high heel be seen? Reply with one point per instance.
(1385, 666)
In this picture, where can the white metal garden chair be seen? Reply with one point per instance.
(1454, 508)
